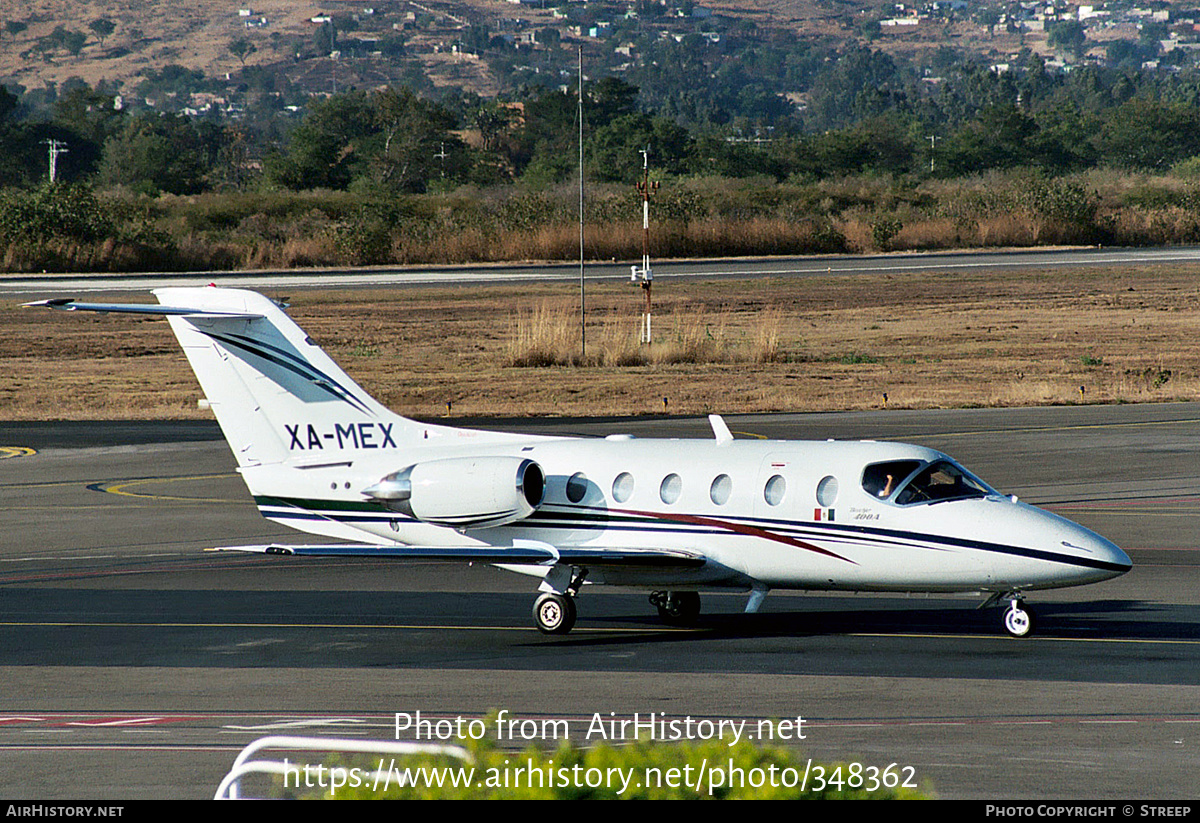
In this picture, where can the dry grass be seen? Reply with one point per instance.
(813, 343)
(546, 336)
(549, 335)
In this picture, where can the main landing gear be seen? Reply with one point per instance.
(677, 608)
(554, 613)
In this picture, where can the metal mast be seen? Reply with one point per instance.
(643, 276)
(582, 303)
(57, 147)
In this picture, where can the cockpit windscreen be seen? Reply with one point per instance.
(882, 479)
(941, 481)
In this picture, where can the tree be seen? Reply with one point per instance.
(546, 142)
(241, 49)
(418, 146)
(607, 99)
(1001, 137)
(74, 41)
(156, 153)
(102, 27)
(394, 137)
(1068, 36)
(325, 38)
(323, 150)
(988, 17)
(493, 121)
(1149, 135)
(91, 118)
(614, 150)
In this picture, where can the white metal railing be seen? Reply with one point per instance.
(230, 787)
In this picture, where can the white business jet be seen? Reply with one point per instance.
(673, 517)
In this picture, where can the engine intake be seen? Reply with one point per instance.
(464, 492)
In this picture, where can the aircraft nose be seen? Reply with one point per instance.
(1105, 556)
(1118, 557)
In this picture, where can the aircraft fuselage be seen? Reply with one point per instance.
(780, 514)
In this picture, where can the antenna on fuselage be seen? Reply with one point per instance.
(720, 431)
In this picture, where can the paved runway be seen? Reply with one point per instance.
(739, 268)
(135, 665)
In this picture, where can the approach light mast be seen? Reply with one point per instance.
(643, 276)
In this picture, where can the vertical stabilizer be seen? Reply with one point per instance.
(276, 394)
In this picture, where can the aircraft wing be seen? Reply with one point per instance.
(525, 553)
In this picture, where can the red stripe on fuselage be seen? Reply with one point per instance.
(737, 528)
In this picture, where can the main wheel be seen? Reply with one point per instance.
(554, 613)
(1018, 622)
(679, 608)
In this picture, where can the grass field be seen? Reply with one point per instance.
(838, 342)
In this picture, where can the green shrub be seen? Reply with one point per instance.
(53, 211)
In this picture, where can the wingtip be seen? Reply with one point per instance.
(52, 303)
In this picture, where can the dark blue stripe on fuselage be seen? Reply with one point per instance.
(599, 520)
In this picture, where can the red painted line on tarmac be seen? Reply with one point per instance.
(140, 720)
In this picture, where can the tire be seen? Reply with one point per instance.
(680, 608)
(1018, 622)
(554, 613)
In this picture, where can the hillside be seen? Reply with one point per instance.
(392, 40)
(151, 34)
(148, 34)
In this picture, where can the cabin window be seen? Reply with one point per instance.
(622, 488)
(774, 490)
(720, 489)
(882, 479)
(670, 489)
(827, 491)
(577, 487)
(942, 481)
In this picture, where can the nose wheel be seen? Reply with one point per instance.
(1018, 621)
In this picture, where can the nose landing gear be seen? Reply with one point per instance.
(1018, 622)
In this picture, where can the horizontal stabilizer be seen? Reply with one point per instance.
(508, 555)
(70, 304)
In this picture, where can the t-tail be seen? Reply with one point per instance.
(276, 395)
(278, 398)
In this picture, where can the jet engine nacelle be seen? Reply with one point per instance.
(464, 492)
